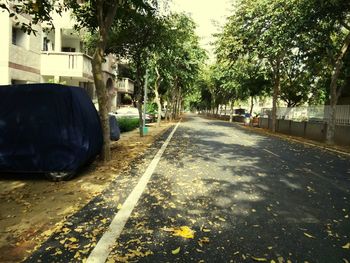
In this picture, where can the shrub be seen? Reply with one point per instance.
(128, 124)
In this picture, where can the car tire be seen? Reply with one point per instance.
(59, 176)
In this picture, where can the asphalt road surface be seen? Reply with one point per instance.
(218, 193)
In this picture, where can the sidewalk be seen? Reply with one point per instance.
(32, 208)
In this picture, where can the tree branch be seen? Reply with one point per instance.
(338, 67)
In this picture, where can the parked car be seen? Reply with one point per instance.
(47, 128)
(130, 112)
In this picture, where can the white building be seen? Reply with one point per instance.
(56, 56)
(20, 56)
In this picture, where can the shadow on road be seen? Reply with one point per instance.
(243, 202)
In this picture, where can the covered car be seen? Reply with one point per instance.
(113, 127)
(47, 128)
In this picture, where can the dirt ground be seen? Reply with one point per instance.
(32, 208)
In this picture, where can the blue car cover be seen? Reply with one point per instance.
(47, 128)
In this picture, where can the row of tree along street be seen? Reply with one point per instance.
(164, 46)
(292, 50)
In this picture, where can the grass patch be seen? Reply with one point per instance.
(128, 124)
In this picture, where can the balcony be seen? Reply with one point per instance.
(125, 85)
(66, 64)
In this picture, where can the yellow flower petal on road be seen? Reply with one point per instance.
(176, 251)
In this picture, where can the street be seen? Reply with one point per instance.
(218, 193)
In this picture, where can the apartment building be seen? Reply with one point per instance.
(56, 56)
(20, 56)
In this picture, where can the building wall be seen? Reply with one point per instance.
(24, 62)
(19, 63)
(5, 31)
(30, 61)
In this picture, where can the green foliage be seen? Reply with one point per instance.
(128, 124)
(57, 82)
(151, 108)
(289, 42)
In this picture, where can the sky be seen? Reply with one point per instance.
(204, 13)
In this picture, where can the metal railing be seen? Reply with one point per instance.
(311, 113)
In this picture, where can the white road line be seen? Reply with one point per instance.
(104, 246)
(271, 153)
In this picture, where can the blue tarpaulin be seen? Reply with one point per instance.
(47, 128)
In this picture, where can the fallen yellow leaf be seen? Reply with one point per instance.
(202, 241)
(184, 231)
(176, 251)
(77, 255)
(346, 246)
(221, 219)
(73, 239)
(259, 259)
(308, 235)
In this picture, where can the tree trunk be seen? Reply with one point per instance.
(167, 115)
(173, 100)
(157, 99)
(334, 92)
(105, 20)
(276, 90)
(178, 103)
(251, 105)
(139, 108)
(102, 98)
(138, 93)
(231, 110)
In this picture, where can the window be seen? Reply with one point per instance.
(14, 35)
(68, 49)
(46, 42)
(19, 38)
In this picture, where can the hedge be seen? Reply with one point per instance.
(128, 124)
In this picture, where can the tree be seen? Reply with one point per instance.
(97, 16)
(138, 38)
(260, 29)
(326, 29)
(297, 80)
(186, 57)
(252, 79)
